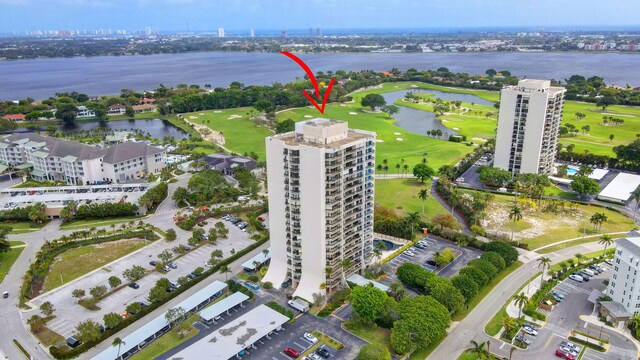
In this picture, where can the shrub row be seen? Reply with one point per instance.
(281, 309)
(235, 287)
(65, 353)
(336, 300)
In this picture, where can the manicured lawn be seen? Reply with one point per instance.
(556, 191)
(76, 262)
(538, 228)
(86, 224)
(422, 354)
(241, 134)
(8, 258)
(166, 342)
(567, 244)
(597, 139)
(402, 196)
(22, 226)
(495, 324)
(373, 334)
(485, 291)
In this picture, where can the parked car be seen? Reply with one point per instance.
(410, 253)
(586, 276)
(529, 330)
(186, 247)
(191, 276)
(576, 278)
(153, 263)
(564, 355)
(313, 356)
(134, 285)
(419, 246)
(322, 351)
(309, 337)
(595, 269)
(166, 268)
(172, 265)
(72, 342)
(523, 339)
(5, 294)
(431, 263)
(558, 294)
(609, 261)
(588, 272)
(291, 352)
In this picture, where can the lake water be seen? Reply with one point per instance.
(420, 121)
(158, 128)
(41, 78)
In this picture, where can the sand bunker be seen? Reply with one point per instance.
(308, 116)
(234, 117)
(193, 117)
(396, 133)
(201, 114)
(353, 113)
(456, 129)
(343, 105)
(479, 139)
(413, 86)
(217, 111)
(400, 139)
(378, 140)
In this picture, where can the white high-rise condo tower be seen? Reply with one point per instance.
(528, 126)
(220, 32)
(320, 180)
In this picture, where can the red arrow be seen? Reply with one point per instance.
(314, 81)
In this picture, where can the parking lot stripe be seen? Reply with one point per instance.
(300, 346)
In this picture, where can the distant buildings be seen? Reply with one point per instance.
(220, 32)
(252, 33)
(143, 108)
(14, 117)
(320, 182)
(84, 112)
(624, 287)
(116, 109)
(76, 163)
(528, 126)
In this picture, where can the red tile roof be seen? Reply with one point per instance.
(148, 100)
(14, 117)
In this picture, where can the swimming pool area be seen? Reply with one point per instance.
(571, 171)
(386, 244)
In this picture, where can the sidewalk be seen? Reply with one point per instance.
(529, 290)
(593, 320)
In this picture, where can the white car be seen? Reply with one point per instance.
(410, 253)
(530, 330)
(577, 278)
(309, 337)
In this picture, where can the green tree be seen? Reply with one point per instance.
(605, 240)
(37, 213)
(584, 186)
(367, 302)
(508, 323)
(423, 195)
(374, 352)
(264, 106)
(165, 256)
(447, 295)
(98, 292)
(224, 269)
(67, 113)
(545, 262)
(480, 350)
(373, 101)
(508, 252)
(466, 285)
(170, 235)
(495, 259)
(157, 294)
(114, 281)
(47, 309)
(390, 109)
(515, 214)
(521, 300)
(111, 320)
(285, 126)
(397, 291)
(180, 195)
(128, 110)
(78, 293)
(423, 172)
(134, 274)
(87, 331)
(118, 342)
(174, 315)
(422, 320)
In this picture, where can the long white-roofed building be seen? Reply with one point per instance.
(320, 180)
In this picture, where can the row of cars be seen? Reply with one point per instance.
(568, 350)
(586, 274)
(242, 225)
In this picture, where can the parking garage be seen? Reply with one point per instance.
(210, 314)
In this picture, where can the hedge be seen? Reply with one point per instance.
(66, 353)
(279, 308)
(235, 287)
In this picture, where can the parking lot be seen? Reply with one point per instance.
(431, 246)
(291, 335)
(566, 316)
(69, 313)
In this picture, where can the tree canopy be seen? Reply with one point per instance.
(584, 185)
(373, 101)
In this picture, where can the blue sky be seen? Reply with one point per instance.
(203, 15)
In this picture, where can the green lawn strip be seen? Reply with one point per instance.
(17, 243)
(585, 258)
(77, 262)
(33, 183)
(86, 224)
(22, 226)
(556, 191)
(421, 354)
(22, 349)
(567, 244)
(402, 196)
(167, 341)
(461, 314)
(322, 340)
(7, 259)
(371, 333)
(494, 325)
(47, 336)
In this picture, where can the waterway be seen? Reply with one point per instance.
(157, 128)
(42, 78)
(420, 121)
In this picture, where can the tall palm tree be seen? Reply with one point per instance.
(508, 323)
(386, 170)
(346, 265)
(521, 300)
(605, 240)
(513, 348)
(377, 253)
(379, 168)
(515, 214)
(405, 169)
(398, 167)
(224, 269)
(397, 291)
(412, 219)
(118, 342)
(423, 195)
(635, 196)
(545, 262)
(479, 349)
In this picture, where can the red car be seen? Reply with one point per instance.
(294, 353)
(564, 355)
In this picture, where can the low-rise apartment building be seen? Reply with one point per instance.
(624, 287)
(77, 163)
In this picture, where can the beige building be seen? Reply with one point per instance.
(320, 180)
(528, 126)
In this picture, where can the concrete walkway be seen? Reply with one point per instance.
(512, 309)
(579, 238)
(593, 320)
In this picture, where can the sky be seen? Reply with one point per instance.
(241, 15)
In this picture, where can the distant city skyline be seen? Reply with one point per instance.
(239, 16)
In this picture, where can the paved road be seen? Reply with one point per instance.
(472, 327)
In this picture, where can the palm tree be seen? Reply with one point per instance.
(397, 291)
(515, 214)
(508, 323)
(405, 169)
(513, 348)
(377, 253)
(454, 199)
(521, 300)
(379, 168)
(479, 349)
(118, 342)
(606, 240)
(224, 269)
(545, 262)
(634, 323)
(346, 265)
(412, 219)
(398, 168)
(423, 195)
(635, 196)
(265, 252)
